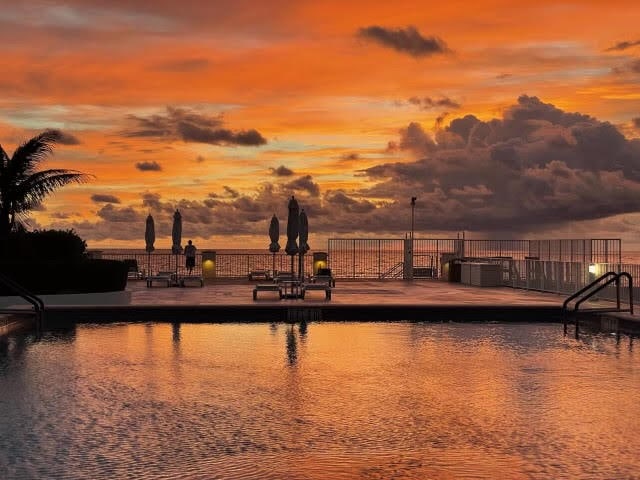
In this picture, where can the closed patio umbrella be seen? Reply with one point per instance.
(304, 236)
(149, 238)
(292, 229)
(176, 237)
(274, 236)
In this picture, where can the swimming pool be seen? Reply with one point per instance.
(332, 400)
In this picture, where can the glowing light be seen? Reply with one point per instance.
(592, 268)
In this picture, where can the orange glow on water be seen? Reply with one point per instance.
(340, 400)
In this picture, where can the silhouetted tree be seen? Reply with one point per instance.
(22, 187)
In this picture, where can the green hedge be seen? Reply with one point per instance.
(58, 276)
(45, 244)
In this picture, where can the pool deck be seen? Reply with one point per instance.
(346, 292)
(232, 301)
(352, 300)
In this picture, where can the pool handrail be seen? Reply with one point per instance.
(565, 304)
(34, 300)
(610, 278)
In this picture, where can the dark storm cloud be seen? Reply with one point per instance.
(65, 138)
(622, 46)
(230, 192)
(629, 67)
(415, 138)
(406, 40)
(151, 200)
(189, 126)
(533, 168)
(537, 165)
(305, 184)
(281, 171)
(427, 103)
(152, 166)
(636, 122)
(103, 198)
(116, 214)
(340, 200)
(440, 120)
(219, 136)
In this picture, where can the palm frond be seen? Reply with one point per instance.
(37, 186)
(4, 159)
(33, 151)
(4, 178)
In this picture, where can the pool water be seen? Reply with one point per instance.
(322, 401)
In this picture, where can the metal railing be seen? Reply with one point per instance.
(560, 277)
(371, 258)
(593, 288)
(394, 272)
(227, 265)
(35, 301)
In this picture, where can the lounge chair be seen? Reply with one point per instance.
(267, 287)
(325, 276)
(317, 286)
(186, 279)
(133, 273)
(259, 274)
(162, 277)
(284, 277)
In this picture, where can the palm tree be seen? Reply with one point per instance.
(22, 188)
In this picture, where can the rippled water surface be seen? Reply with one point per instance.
(329, 401)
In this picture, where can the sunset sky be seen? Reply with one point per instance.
(510, 119)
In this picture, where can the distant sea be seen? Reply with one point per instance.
(141, 251)
(631, 256)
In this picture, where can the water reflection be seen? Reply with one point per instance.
(292, 347)
(302, 328)
(292, 340)
(593, 338)
(351, 401)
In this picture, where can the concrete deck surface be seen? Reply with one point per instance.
(350, 292)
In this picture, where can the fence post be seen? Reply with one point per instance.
(379, 254)
(354, 259)
(407, 269)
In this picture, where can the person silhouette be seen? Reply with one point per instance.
(190, 255)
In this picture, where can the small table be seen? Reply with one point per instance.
(290, 288)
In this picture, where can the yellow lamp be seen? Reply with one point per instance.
(319, 261)
(208, 264)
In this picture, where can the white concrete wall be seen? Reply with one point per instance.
(481, 274)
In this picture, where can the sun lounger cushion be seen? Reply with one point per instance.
(164, 277)
(267, 287)
(259, 274)
(317, 286)
(191, 279)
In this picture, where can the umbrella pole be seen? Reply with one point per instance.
(273, 267)
(148, 264)
(300, 266)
